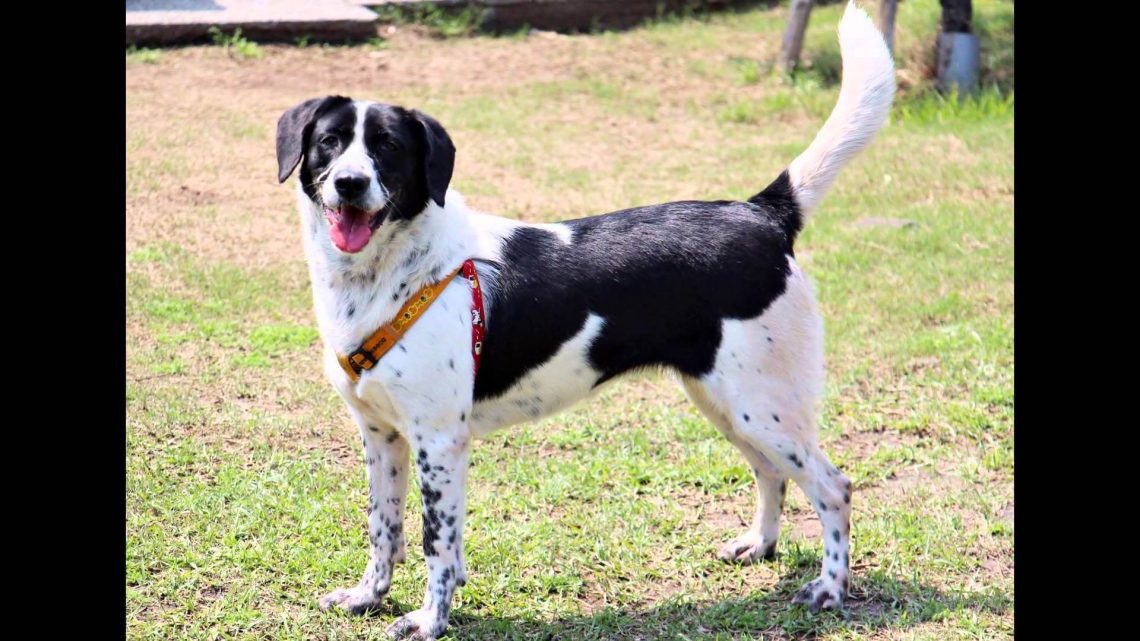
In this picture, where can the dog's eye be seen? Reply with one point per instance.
(390, 144)
(329, 140)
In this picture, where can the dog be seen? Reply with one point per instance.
(709, 291)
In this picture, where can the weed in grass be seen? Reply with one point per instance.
(235, 43)
(445, 22)
(143, 55)
(749, 71)
(741, 111)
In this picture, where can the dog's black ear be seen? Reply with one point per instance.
(439, 156)
(293, 129)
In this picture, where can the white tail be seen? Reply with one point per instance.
(865, 97)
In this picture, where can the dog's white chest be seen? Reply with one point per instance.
(426, 377)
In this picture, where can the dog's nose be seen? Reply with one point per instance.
(351, 186)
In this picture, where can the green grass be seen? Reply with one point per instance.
(933, 108)
(236, 43)
(444, 22)
(246, 492)
(143, 55)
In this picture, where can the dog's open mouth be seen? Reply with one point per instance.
(351, 227)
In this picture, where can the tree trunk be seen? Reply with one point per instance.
(794, 35)
(887, 10)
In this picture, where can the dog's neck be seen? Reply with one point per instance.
(353, 294)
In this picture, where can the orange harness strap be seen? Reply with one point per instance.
(382, 340)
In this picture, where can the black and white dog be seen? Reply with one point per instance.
(707, 290)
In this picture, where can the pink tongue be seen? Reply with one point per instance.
(350, 231)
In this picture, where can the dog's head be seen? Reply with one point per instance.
(364, 163)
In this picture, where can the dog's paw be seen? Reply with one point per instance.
(418, 625)
(820, 594)
(746, 549)
(356, 600)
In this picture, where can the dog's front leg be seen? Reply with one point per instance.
(441, 459)
(386, 459)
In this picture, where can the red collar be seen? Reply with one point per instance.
(478, 328)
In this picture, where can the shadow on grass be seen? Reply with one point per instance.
(878, 601)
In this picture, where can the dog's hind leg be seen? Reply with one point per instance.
(759, 541)
(386, 459)
(766, 382)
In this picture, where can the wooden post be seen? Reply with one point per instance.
(887, 10)
(794, 35)
(958, 50)
(956, 15)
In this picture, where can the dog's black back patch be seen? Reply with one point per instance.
(662, 277)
